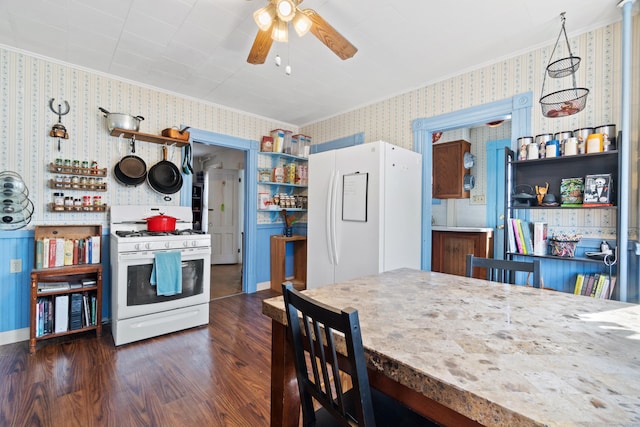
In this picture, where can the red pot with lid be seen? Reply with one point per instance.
(161, 223)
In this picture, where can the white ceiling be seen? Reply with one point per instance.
(199, 48)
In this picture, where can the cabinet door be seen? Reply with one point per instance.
(449, 171)
(450, 251)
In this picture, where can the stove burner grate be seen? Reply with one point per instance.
(146, 233)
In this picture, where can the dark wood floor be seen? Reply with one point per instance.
(215, 375)
(226, 279)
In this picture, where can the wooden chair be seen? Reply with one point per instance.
(499, 270)
(320, 370)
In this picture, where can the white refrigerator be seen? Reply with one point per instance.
(364, 212)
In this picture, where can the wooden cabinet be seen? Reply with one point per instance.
(450, 249)
(278, 261)
(68, 299)
(449, 170)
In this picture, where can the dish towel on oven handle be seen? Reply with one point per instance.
(166, 274)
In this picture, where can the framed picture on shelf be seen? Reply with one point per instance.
(597, 189)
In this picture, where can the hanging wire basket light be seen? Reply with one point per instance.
(565, 102)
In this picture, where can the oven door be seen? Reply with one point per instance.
(134, 295)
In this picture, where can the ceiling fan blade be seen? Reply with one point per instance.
(329, 36)
(261, 47)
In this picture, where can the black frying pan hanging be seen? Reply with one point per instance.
(165, 177)
(131, 170)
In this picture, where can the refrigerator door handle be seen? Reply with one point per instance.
(328, 222)
(334, 208)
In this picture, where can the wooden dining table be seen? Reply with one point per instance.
(466, 351)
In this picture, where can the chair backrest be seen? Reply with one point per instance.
(312, 336)
(500, 270)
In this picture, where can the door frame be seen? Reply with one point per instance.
(518, 107)
(495, 169)
(250, 187)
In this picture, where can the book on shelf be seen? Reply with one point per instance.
(59, 248)
(58, 252)
(52, 252)
(591, 281)
(87, 283)
(594, 285)
(45, 252)
(577, 290)
(62, 314)
(39, 253)
(512, 237)
(540, 238)
(44, 287)
(526, 233)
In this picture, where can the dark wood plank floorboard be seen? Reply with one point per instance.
(215, 375)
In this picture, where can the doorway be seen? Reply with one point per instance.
(518, 106)
(220, 170)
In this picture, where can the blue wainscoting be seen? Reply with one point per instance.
(265, 231)
(15, 287)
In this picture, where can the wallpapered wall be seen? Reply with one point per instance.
(599, 71)
(27, 84)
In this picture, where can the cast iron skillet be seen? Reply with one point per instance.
(127, 180)
(164, 177)
(131, 170)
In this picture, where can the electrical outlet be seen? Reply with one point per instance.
(15, 266)
(479, 199)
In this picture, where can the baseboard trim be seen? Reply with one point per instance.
(17, 335)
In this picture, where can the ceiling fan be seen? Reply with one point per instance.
(273, 23)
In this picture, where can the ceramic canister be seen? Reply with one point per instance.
(552, 148)
(532, 151)
(541, 140)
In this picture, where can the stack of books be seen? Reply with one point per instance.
(595, 285)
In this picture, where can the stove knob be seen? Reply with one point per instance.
(185, 244)
(167, 245)
(194, 243)
(137, 246)
(147, 245)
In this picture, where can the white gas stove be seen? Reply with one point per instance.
(138, 310)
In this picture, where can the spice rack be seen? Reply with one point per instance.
(76, 170)
(83, 179)
(85, 208)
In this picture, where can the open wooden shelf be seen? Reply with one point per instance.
(156, 139)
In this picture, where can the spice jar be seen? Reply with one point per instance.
(58, 199)
(86, 200)
(77, 202)
(68, 201)
(97, 200)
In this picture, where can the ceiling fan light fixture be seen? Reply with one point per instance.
(264, 17)
(286, 10)
(280, 31)
(301, 23)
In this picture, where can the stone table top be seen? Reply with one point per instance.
(499, 354)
